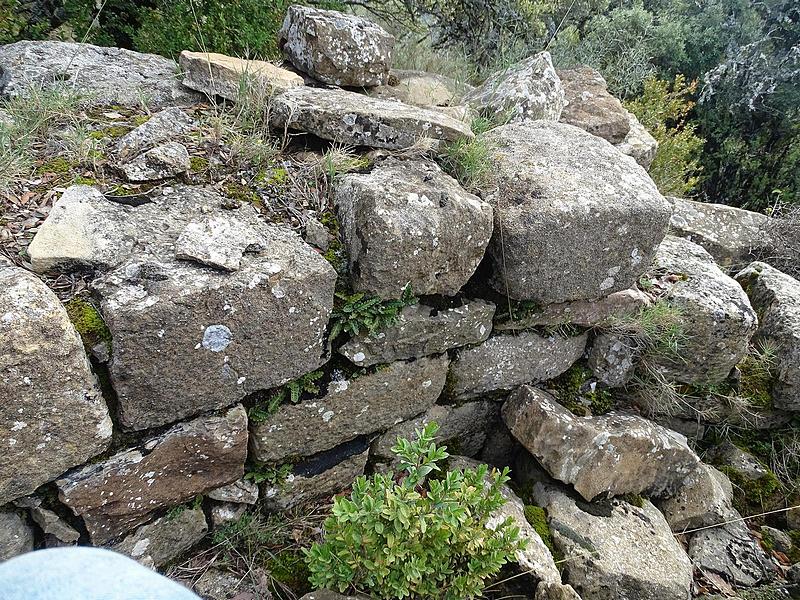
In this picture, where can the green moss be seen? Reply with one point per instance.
(568, 388)
(55, 165)
(537, 517)
(242, 193)
(88, 323)
(276, 177)
(113, 132)
(756, 377)
(81, 180)
(751, 494)
(794, 553)
(289, 568)
(140, 120)
(198, 164)
(634, 499)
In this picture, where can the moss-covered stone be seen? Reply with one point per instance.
(750, 495)
(242, 193)
(111, 132)
(88, 322)
(289, 567)
(59, 165)
(570, 390)
(537, 517)
(198, 164)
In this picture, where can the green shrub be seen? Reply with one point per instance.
(400, 536)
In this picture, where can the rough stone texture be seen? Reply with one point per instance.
(744, 463)
(220, 75)
(224, 513)
(639, 144)
(357, 120)
(16, 536)
(608, 455)
(423, 330)
(52, 414)
(419, 88)
(56, 531)
(500, 448)
(776, 298)
(733, 236)
(616, 550)
(579, 220)
(161, 162)
(363, 405)
(505, 361)
(191, 458)
(715, 313)
(591, 107)
(216, 584)
(336, 48)
(210, 323)
(408, 222)
(242, 492)
(613, 359)
(526, 91)
(165, 539)
(104, 76)
(162, 127)
(731, 552)
(586, 313)
(704, 498)
(328, 595)
(780, 540)
(555, 591)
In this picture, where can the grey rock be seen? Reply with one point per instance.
(52, 416)
(639, 144)
(722, 320)
(779, 540)
(776, 298)
(317, 234)
(335, 48)
(162, 127)
(591, 107)
(103, 76)
(218, 241)
(501, 448)
(423, 330)
(16, 536)
(408, 222)
(733, 236)
(161, 162)
(190, 458)
(235, 78)
(608, 455)
(579, 220)
(360, 406)
(744, 463)
(506, 361)
(613, 359)
(165, 539)
(526, 91)
(329, 595)
(225, 513)
(555, 591)
(793, 573)
(6, 120)
(241, 492)
(419, 88)
(616, 550)
(56, 531)
(731, 552)
(217, 584)
(358, 120)
(704, 498)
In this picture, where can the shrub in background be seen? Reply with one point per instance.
(410, 535)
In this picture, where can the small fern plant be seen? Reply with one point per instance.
(355, 313)
(409, 535)
(292, 391)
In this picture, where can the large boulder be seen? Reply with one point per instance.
(407, 222)
(52, 414)
(732, 553)
(358, 120)
(591, 107)
(506, 361)
(776, 298)
(574, 218)
(267, 294)
(639, 144)
(733, 236)
(191, 458)
(704, 498)
(714, 310)
(525, 91)
(16, 536)
(335, 48)
(101, 76)
(234, 78)
(608, 455)
(615, 549)
(363, 405)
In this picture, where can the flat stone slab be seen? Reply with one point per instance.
(590, 106)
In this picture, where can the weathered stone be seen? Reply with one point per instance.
(591, 107)
(363, 405)
(408, 222)
(555, 591)
(224, 513)
(218, 241)
(734, 237)
(162, 127)
(329, 595)
(619, 306)
(161, 162)
(777, 539)
(731, 552)
(52, 414)
(613, 359)
(335, 48)
(639, 144)
(317, 234)
(716, 313)
(615, 549)
(505, 361)
(56, 531)
(579, 220)
(500, 448)
(216, 584)
(16, 536)
(189, 459)
(704, 498)
(776, 298)
(609, 455)
(423, 330)
(165, 539)
(745, 464)
(526, 91)
(354, 119)
(419, 88)
(240, 492)
(229, 77)
(103, 76)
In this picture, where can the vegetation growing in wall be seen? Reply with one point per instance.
(292, 392)
(357, 313)
(88, 323)
(578, 394)
(537, 517)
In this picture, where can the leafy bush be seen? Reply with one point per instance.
(356, 312)
(409, 535)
